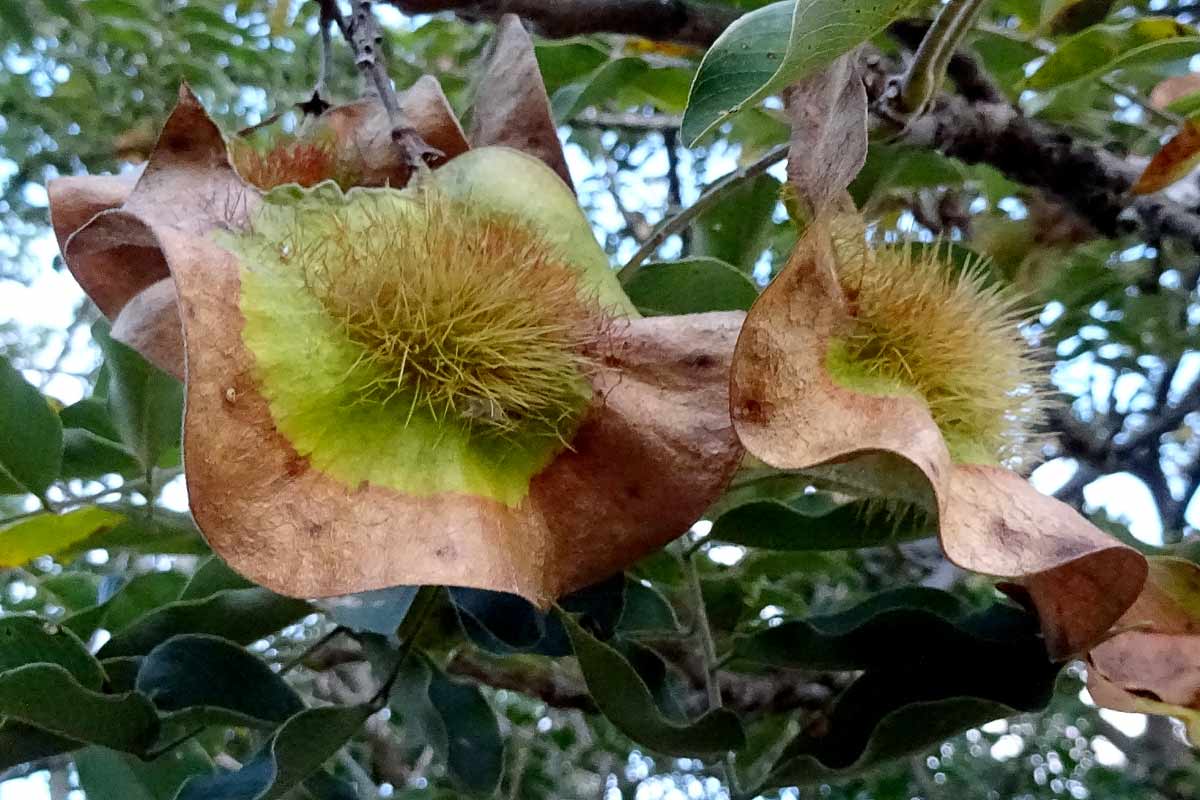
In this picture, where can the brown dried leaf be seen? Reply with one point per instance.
(1152, 663)
(1108, 694)
(188, 183)
(149, 323)
(364, 132)
(76, 199)
(829, 133)
(788, 412)
(511, 106)
(1174, 162)
(653, 452)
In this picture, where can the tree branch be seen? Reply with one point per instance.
(678, 21)
(1092, 181)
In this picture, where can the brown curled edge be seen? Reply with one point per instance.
(788, 412)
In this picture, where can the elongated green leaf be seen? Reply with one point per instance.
(91, 413)
(1103, 48)
(72, 590)
(122, 603)
(736, 229)
(163, 532)
(864, 636)
(240, 615)
(51, 534)
(504, 623)
(47, 696)
(104, 773)
(30, 436)
(199, 679)
(86, 455)
(294, 752)
(145, 403)
(691, 286)
(1070, 16)
(29, 640)
(932, 668)
(623, 697)
(380, 611)
(212, 576)
(776, 525)
(601, 84)
(21, 743)
(912, 728)
(475, 751)
(767, 49)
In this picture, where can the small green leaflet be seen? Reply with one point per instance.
(771, 47)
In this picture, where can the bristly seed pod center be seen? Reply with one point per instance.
(469, 318)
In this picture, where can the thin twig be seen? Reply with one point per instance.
(709, 652)
(711, 195)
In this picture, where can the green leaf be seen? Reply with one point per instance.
(91, 413)
(564, 62)
(30, 436)
(293, 753)
(20, 743)
(475, 750)
(597, 87)
(240, 615)
(121, 603)
(29, 640)
(1186, 106)
(212, 576)
(163, 531)
(52, 534)
(16, 16)
(86, 455)
(864, 636)
(691, 286)
(646, 610)
(776, 525)
(625, 700)
(206, 680)
(1070, 16)
(932, 668)
(380, 611)
(47, 696)
(891, 167)
(105, 773)
(72, 590)
(145, 403)
(914, 727)
(737, 228)
(767, 49)
(1103, 48)
(504, 623)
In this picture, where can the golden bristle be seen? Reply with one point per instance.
(466, 316)
(953, 337)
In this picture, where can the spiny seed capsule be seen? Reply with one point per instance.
(923, 325)
(469, 318)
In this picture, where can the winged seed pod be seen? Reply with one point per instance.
(435, 384)
(891, 376)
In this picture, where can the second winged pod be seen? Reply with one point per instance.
(897, 376)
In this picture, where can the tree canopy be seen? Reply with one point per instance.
(600, 398)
